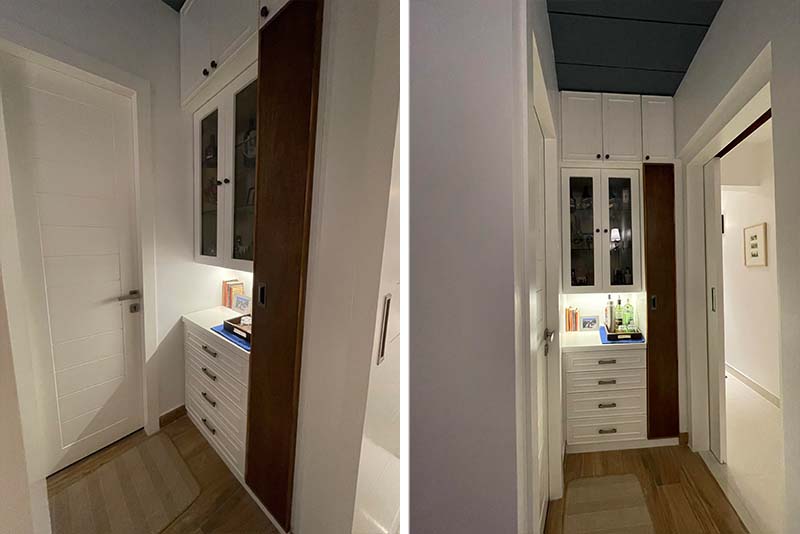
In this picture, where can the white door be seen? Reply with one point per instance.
(72, 166)
(195, 46)
(622, 127)
(232, 22)
(377, 506)
(715, 309)
(538, 319)
(582, 126)
(658, 137)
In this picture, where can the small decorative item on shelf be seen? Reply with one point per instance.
(241, 303)
(590, 322)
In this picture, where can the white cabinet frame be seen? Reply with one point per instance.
(602, 234)
(224, 103)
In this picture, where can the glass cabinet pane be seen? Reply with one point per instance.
(244, 172)
(209, 185)
(620, 225)
(581, 231)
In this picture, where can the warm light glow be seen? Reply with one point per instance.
(615, 237)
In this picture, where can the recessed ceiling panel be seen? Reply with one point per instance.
(629, 46)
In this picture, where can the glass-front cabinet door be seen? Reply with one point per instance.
(243, 198)
(581, 230)
(621, 231)
(208, 186)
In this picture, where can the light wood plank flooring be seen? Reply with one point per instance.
(682, 495)
(223, 505)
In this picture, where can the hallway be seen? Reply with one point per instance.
(682, 495)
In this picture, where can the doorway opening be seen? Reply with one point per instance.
(746, 434)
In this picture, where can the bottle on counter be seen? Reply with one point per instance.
(628, 317)
(609, 315)
(619, 315)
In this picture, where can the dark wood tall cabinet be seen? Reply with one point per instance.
(288, 82)
(662, 345)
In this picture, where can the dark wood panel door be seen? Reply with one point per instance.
(662, 343)
(288, 80)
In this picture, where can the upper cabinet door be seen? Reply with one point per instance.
(232, 23)
(269, 8)
(658, 128)
(581, 126)
(209, 207)
(581, 227)
(195, 48)
(621, 245)
(622, 127)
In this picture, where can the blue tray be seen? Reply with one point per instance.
(605, 341)
(232, 338)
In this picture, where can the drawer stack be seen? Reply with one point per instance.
(217, 375)
(606, 396)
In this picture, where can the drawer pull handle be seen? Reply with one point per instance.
(213, 403)
(209, 375)
(607, 431)
(606, 362)
(214, 430)
(209, 351)
(607, 382)
(601, 405)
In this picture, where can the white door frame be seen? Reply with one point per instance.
(21, 42)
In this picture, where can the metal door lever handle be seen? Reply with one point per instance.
(132, 295)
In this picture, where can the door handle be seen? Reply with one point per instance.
(213, 403)
(132, 295)
(209, 427)
(387, 304)
(549, 335)
(209, 351)
(713, 299)
(653, 302)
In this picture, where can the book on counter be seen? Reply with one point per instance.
(230, 289)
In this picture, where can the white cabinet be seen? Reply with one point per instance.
(616, 127)
(658, 128)
(582, 126)
(601, 229)
(622, 127)
(225, 145)
(211, 32)
(195, 46)
(269, 8)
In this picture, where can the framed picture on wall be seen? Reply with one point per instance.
(590, 322)
(755, 245)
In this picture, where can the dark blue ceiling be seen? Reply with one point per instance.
(627, 46)
(175, 4)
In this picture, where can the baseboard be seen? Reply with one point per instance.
(622, 445)
(755, 386)
(172, 415)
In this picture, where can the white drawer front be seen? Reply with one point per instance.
(210, 374)
(217, 341)
(235, 416)
(604, 429)
(218, 435)
(605, 360)
(606, 380)
(607, 403)
(235, 366)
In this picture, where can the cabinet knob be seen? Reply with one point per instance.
(213, 64)
(226, 180)
(606, 156)
(219, 183)
(205, 72)
(647, 157)
(264, 11)
(597, 230)
(598, 156)
(605, 230)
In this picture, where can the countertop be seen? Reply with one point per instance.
(205, 319)
(590, 340)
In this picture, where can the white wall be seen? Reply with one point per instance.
(713, 90)
(15, 499)
(463, 474)
(357, 120)
(751, 293)
(142, 38)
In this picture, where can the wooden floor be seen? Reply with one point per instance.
(223, 505)
(682, 495)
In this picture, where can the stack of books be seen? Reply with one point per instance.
(572, 319)
(230, 289)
